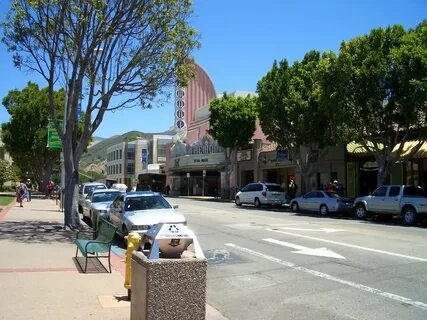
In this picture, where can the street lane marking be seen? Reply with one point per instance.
(321, 252)
(350, 245)
(327, 230)
(326, 276)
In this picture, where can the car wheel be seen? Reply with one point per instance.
(257, 203)
(237, 201)
(361, 212)
(295, 207)
(323, 210)
(409, 215)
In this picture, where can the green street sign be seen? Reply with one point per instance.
(53, 139)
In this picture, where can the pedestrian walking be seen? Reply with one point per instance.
(292, 189)
(29, 189)
(167, 189)
(50, 187)
(21, 193)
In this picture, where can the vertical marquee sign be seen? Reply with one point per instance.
(180, 126)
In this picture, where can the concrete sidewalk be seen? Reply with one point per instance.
(39, 278)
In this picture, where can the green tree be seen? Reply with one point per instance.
(232, 123)
(383, 92)
(8, 172)
(113, 54)
(25, 135)
(294, 112)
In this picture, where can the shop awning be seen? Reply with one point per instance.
(358, 149)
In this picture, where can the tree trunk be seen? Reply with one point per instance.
(230, 158)
(71, 191)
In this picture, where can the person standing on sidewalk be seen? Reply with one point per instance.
(30, 189)
(50, 186)
(21, 193)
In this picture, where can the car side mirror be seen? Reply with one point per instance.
(176, 206)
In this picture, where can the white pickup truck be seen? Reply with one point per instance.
(408, 202)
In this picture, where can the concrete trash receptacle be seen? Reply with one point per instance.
(169, 288)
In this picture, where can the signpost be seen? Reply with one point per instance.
(203, 183)
(188, 184)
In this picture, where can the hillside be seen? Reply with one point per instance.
(95, 157)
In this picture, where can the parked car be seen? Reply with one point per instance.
(261, 193)
(139, 211)
(408, 202)
(322, 202)
(85, 188)
(120, 186)
(97, 204)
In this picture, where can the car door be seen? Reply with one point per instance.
(244, 194)
(377, 201)
(307, 201)
(392, 203)
(86, 204)
(255, 192)
(318, 200)
(116, 211)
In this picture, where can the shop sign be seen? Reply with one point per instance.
(282, 155)
(244, 155)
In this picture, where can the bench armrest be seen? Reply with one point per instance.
(96, 241)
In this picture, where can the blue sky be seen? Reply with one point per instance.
(241, 39)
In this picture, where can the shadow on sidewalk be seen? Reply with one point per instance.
(35, 232)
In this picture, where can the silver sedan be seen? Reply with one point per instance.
(139, 211)
(97, 203)
(322, 202)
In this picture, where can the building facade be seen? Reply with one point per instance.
(127, 160)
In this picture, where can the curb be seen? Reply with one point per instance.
(6, 209)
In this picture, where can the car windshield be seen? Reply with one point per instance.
(333, 195)
(146, 203)
(273, 187)
(105, 196)
(90, 188)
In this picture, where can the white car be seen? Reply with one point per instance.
(139, 211)
(97, 204)
(85, 189)
(260, 193)
(120, 186)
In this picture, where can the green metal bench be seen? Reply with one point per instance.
(101, 244)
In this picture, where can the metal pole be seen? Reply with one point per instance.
(188, 186)
(203, 186)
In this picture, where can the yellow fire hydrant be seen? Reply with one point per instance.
(133, 240)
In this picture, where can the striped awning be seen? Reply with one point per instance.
(358, 149)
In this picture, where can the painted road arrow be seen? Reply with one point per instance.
(327, 230)
(321, 252)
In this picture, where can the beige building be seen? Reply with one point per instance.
(127, 160)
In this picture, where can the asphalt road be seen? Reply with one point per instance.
(263, 264)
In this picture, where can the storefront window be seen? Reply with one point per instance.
(412, 174)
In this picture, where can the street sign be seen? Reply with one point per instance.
(53, 139)
(204, 173)
(188, 174)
